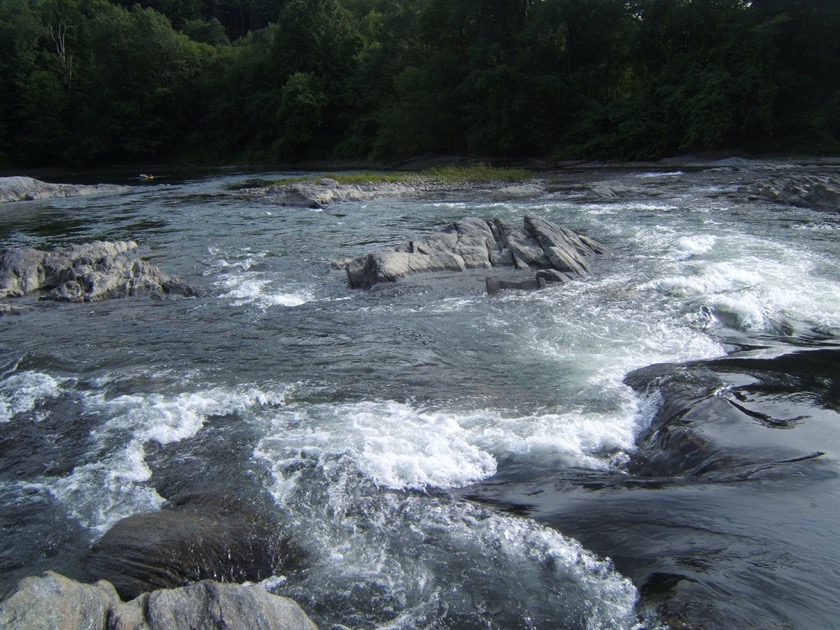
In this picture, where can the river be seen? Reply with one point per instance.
(446, 459)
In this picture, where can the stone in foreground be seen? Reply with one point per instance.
(52, 602)
(555, 252)
(85, 273)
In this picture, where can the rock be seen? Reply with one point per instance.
(803, 191)
(716, 417)
(52, 601)
(616, 190)
(203, 536)
(27, 189)
(209, 604)
(477, 243)
(326, 191)
(85, 273)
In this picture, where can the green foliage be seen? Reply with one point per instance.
(206, 31)
(423, 116)
(300, 114)
(86, 81)
(478, 173)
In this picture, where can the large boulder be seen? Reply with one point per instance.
(21, 188)
(202, 536)
(52, 601)
(473, 243)
(85, 273)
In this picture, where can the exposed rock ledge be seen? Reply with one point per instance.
(85, 273)
(52, 601)
(21, 188)
(804, 191)
(556, 253)
(327, 191)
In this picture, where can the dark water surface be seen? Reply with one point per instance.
(654, 445)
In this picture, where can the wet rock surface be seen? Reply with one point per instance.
(712, 414)
(203, 536)
(85, 273)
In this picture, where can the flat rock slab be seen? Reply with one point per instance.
(52, 601)
(471, 243)
(20, 188)
(85, 273)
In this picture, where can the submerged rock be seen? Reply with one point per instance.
(21, 188)
(53, 601)
(85, 273)
(713, 416)
(471, 243)
(202, 537)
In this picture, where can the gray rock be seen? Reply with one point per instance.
(52, 602)
(324, 192)
(803, 191)
(85, 273)
(21, 188)
(477, 243)
(204, 536)
(524, 248)
(209, 604)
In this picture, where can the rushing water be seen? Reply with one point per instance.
(444, 459)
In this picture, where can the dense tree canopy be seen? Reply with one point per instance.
(99, 81)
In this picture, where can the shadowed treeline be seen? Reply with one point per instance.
(93, 82)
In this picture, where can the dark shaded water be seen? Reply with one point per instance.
(445, 459)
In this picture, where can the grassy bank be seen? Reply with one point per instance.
(477, 174)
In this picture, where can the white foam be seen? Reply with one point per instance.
(395, 444)
(408, 557)
(759, 291)
(400, 446)
(23, 391)
(657, 174)
(244, 287)
(115, 484)
(403, 447)
(101, 493)
(697, 244)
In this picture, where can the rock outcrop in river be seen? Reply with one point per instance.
(555, 252)
(21, 188)
(325, 191)
(85, 273)
(203, 537)
(714, 415)
(52, 601)
(820, 192)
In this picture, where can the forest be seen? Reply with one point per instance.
(99, 82)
